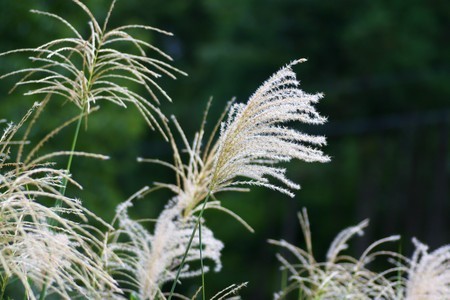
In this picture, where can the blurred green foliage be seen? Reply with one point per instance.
(382, 64)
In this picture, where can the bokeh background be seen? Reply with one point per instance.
(382, 64)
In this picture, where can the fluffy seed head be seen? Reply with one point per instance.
(429, 273)
(153, 259)
(255, 136)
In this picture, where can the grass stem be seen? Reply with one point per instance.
(4, 283)
(62, 190)
(197, 224)
(69, 162)
(201, 259)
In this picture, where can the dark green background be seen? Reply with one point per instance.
(382, 64)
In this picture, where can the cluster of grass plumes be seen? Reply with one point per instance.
(48, 240)
(46, 247)
(424, 276)
(180, 236)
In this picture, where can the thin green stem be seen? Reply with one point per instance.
(201, 259)
(69, 162)
(4, 283)
(62, 190)
(197, 224)
(284, 279)
(63, 187)
(43, 292)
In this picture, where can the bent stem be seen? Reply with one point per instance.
(197, 224)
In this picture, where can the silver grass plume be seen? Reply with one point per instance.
(147, 261)
(253, 139)
(428, 273)
(341, 276)
(86, 70)
(45, 247)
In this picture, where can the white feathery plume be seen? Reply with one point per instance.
(428, 273)
(253, 139)
(150, 260)
(84, 71)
